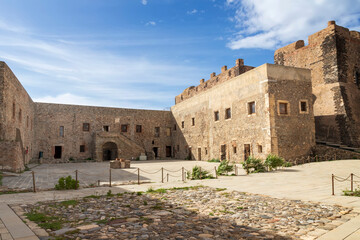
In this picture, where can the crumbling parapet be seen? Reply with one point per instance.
(214, 79)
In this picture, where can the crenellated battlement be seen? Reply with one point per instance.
(214, 79)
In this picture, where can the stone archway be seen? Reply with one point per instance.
(110, 151)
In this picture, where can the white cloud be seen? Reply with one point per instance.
(270, 24)
(194, 11)
(151, 23)
(144, 2)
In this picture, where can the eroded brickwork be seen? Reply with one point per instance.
(257, 133)
(214, 80)
(333, 55)
(16, 121)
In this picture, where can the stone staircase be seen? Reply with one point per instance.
(339, 146)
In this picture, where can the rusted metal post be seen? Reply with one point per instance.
(110, 177)
(182, 174)
(139, 176)
(352, 181)
(167, 177)
(332, 184)
(76, 179)
(162, 175)
(215, 172)
(33, 176)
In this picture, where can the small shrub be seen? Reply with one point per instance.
(214, 160)
(224, 168)
(197, 173)
(88, 158)
(109, 194)
(287, 164)
(253, 165)
(273, 161)
(71, 159)
(67, 183)
(355, 193)
(44, 221)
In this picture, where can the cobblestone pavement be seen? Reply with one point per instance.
(92, 173)
(188, 213)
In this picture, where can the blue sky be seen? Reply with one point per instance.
(142, 53)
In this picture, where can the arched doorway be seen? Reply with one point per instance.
(110, 151)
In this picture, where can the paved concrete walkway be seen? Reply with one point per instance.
(12, 227)
(309, 182)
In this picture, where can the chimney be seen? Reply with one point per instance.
(239, 62)
(331, 23)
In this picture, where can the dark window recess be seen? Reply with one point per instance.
(106, 128)
(357, 79)
(193, 121)
(234, 149)
(216, 115)
(223, 152)
(303, 106)
(251, 107)
(82, 148)
(178, 147)
(124, 128)
(86, 127)
(61, 131)
(153, 142)
(174, 127)
(20, 115)
(228, 113)
(259, 149)
(138, 128)
(157, 131)
(168, 151)
(182, 124)
(14, 110)
(283, 108)
(156, 151)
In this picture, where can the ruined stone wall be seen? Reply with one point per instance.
(50, 117)
(17, 118)
(214, 80)
(293, 134)
(203, 139)
(333, 55)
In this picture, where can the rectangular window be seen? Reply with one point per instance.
(216, 115)
(86, 127)
(193, 122)
(174, 127)
(251, 108)
(14, 110)
(304, 106)
(234, 149)
(182, 124)
(168, 131)
(61, 132)
(206, 152)
(259, 149)
(157, 131)
(20, 115)
(106, 128)
(124, 128)
(82, 148)
(228, 113)
(138, 128)
(283, 108)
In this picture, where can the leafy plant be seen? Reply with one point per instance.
(160, 190)
(253, 165)
(273, 161)
(287, 164)
(89, 158)
(197, 173)
(71, 159)
(109, 194)
(224, 168)
(214, 160)
(46, 222)
(67, 183)
(355, 193)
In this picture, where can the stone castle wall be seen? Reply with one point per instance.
(50, 117)
(16, 121)
(333, 55)
(203, 138)
(214, 80)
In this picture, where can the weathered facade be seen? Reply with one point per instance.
(240, 112)
(265, 110)
(333, 55)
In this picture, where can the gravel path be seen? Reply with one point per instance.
(190, 213)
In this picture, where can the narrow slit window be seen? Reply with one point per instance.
(228, 113)
(138, 128)
(193, 121)
(61, 131)
(216, 116)
(124, 128)
(86, 127)
(251, 108)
